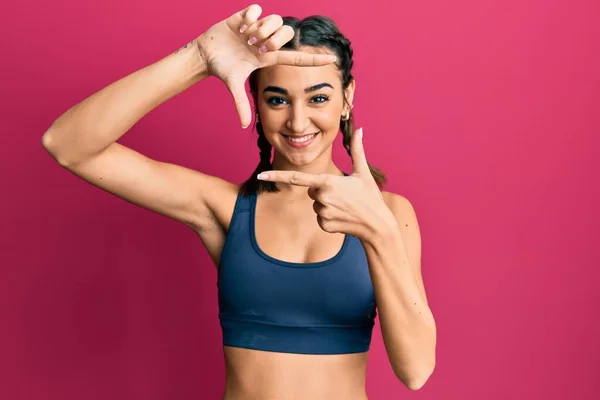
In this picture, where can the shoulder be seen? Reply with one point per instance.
(221, 202)
(400, 206)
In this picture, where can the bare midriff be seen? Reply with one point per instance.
(264, 375)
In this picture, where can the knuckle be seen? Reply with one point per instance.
(276, 40)
(316, 207)
(295, 178)
(326, 179)
(252, 14)
(266, 29)
(273, 19)
(270, 21)
(297, 59)
(277, 20)
(286, 32)
(255, 9)
(326, 225)
(252, 28)
(261, 34)
(270, 43)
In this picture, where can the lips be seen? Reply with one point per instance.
(298, 141)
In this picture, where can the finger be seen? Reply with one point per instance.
(278, 39)
(313, 193)
(357, 152)
(294, 178)
(329, 226)
(297, 58)
(320, 194)
(253, 29)
(267, 27)
(249, 16)
(242, 104)
(318, 208)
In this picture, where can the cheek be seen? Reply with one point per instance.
(271, 120)
(327, 120)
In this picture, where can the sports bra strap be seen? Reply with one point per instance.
(242, 203)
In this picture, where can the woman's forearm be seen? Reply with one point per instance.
(93, 124)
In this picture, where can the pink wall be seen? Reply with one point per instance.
(488, 122)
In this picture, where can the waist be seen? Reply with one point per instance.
(264, 375)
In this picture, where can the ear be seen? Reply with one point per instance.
(349, 94)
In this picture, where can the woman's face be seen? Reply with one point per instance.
(300, 110)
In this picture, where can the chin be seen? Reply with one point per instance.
(300, 160)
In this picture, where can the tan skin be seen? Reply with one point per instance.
(83, 141)
(286, 229)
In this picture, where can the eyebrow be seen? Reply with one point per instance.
(281, 90)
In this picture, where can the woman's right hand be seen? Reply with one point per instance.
(229, 56)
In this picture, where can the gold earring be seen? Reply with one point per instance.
(346, 116)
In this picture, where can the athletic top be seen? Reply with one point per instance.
(325, 307)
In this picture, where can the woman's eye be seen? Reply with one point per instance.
(276, 100)
(280, 100)
(321, 98)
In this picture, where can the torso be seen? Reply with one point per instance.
(260, 375)
(286, 229)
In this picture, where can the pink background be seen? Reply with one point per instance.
(488, 121)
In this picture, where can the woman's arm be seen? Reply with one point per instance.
(83, 141)
(407, 324)
(91, 126)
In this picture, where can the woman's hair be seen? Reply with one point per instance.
(320, 32)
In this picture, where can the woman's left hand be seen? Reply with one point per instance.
(347, 204)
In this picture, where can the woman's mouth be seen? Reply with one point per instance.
(300, 141)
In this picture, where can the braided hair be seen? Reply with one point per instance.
(314, 31)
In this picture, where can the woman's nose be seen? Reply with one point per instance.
(298, 120)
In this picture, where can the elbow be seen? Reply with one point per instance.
(47, 144)
(416, 383)
(50, 147)
(45, 141)
(416, 380)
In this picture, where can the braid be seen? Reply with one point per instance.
(347, 128)
(265, 148)
(253, 185)
(344, 47)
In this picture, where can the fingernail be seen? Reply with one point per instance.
(262, 176)
(243, 28)
(360, 133)
(263, 49)
(252, 40)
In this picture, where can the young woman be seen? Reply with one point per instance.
(307, 254)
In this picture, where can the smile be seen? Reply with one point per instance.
(300, 141)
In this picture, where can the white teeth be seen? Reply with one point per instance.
(301, 139)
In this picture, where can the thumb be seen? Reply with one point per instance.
(359, 159)
(242, 104)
